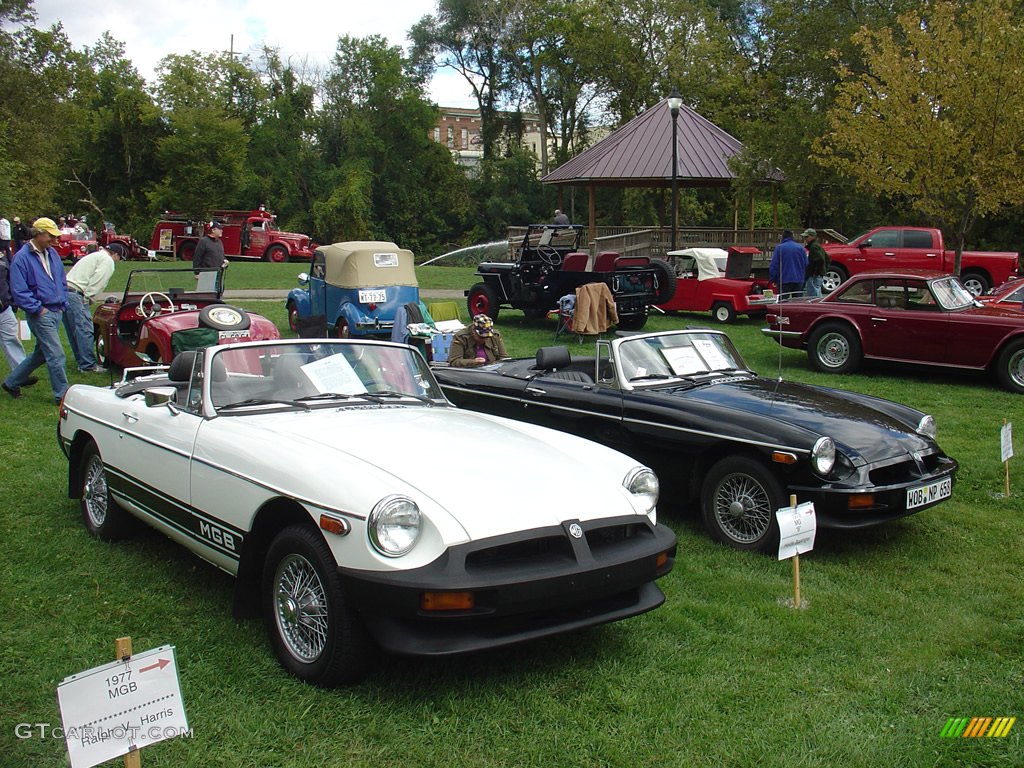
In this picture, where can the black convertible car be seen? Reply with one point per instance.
(684, 402)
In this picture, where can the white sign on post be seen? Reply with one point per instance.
(796, 529)
(1006, 442)
(109, 710)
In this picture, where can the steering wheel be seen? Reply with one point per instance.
(155, 307)
(549, 255)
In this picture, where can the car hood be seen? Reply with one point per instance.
(865, 429)
(492, 475)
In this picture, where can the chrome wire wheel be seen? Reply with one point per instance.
(742, 508)
(302, 608)
(1015, 368)
(95, 493)
(833, 350)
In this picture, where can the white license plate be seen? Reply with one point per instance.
(368, 297)
(929, 494)
(233, 335)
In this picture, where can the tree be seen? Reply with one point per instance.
(937, 117)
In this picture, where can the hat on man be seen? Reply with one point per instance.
(483, 325)
(808, 233)
(17, 220)
(216, 225)
(46, 225)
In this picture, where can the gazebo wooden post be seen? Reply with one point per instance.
(592, 214)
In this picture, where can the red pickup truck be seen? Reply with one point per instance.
(916, 248)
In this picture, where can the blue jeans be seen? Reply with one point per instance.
(78, 324)
(812, 286)
(46, 328)
(13, 350)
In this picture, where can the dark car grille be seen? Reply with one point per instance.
(904, 471)
(556, 550)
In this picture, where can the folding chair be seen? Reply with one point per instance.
(566, 309)
(444, 310)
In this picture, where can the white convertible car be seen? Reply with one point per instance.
(357, 507)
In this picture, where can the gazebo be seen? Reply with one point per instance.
(639, 154)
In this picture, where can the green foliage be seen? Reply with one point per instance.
(937, 116)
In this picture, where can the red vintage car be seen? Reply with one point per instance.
(906, 316)
(716, 280)
(165, 311)
(1010, 294)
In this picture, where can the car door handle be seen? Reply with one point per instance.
(879, 320)
(536, 391)
(931, 255)
(130, 417)
(890, 253)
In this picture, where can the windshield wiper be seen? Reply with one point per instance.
(374, 397)
(263, 401)
(649, 376)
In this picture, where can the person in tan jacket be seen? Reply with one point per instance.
(477, 344)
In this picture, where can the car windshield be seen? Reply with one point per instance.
(677, 355)
(324, 372)
(174, 282)
(951, 294)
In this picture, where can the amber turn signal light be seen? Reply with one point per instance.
(860, 501)
(447, 601)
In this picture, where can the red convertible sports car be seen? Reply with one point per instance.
(166, 311)
(906, 316)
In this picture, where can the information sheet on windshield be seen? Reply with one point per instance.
(334, 374)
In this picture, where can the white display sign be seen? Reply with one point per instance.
(1006, 442)
(796, 529)
(109, 710)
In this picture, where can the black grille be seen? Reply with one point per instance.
(546, 550)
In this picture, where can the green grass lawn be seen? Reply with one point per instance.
(906, 625)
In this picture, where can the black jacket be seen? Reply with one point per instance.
(209, 252)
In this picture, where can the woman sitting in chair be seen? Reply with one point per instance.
(477, 344)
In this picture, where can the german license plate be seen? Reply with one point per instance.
(374, 296)
(233, 335)
(929, 494)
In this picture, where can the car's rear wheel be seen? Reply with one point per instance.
(99, 339)
(535, 313)
(1010, 368)
(314, 633)
(666, 281)
(834, 277)
(738, 502)
(101, 515)
(277, 254)
(483, 300)
(975, 282)
(723, 312)
(187, 250)
(834, 348)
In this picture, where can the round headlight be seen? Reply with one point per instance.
(394, 525)
(823, 455)
(927, 427)
(643, 483)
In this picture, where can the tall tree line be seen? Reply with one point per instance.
(344, 149)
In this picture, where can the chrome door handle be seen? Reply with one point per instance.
(131, 417)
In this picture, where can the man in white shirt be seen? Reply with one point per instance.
(5, 236)
(87, 279)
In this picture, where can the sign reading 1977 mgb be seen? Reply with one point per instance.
(110, 710)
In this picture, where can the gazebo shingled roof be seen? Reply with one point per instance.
(639, 153)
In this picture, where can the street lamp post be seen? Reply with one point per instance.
(675, 101)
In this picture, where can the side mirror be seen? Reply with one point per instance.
(156, 396)
(865, 243)
(303, 278)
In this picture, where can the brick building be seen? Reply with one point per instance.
(458, 129)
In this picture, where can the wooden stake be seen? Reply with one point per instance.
(796, 565)
(123, 650)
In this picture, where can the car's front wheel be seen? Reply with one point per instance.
(293, 317)
(834, 348)
(723, 312)
(738, 502)
(101, 515)
(1011, 367)
(314, 633)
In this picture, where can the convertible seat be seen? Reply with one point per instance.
(551, 360)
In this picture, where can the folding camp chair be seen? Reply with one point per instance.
(566, 309)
